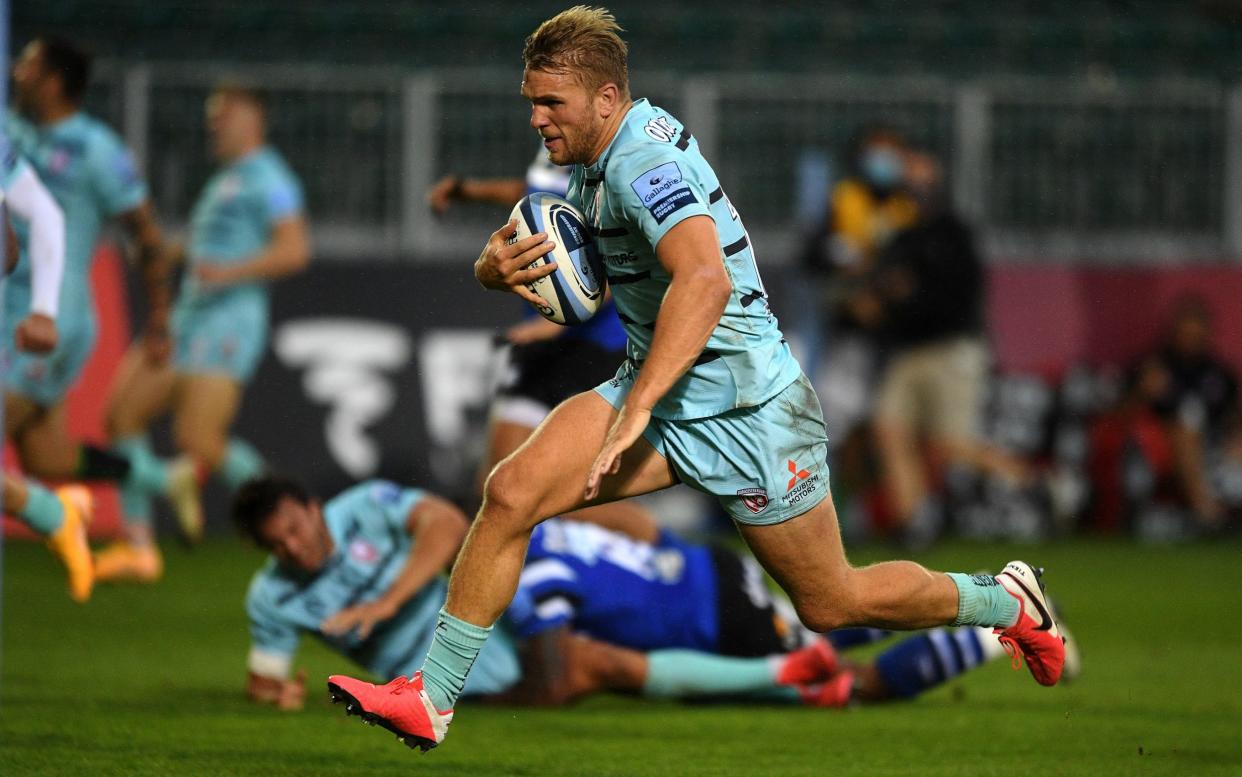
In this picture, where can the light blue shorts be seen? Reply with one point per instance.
(765, 464)
(46, 379)
(227, 339)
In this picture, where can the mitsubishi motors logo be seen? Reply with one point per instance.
(803, 484)
(797, 474)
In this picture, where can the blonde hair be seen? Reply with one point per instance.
(582, 41)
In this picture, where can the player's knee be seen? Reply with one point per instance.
(823, 611)
(507, 494)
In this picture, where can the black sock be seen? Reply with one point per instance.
(99, 464)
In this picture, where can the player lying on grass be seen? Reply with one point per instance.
(653, 614)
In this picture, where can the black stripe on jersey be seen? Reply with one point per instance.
(618, 280)
(612, 232)
(715, 196)
(706, 357)
(627, 320)
(750, 297)
(733, 248)
(684, 142)
(593, 181)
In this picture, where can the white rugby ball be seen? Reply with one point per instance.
(575, 289)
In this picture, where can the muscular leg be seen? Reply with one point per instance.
(140, 393)
(902, 465)
(805, 556)
(205, 406)
(505, 437)
(545, 477)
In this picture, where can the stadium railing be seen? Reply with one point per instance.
(1074, 171)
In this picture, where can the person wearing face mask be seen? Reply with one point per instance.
(869, 207)
(927, 292)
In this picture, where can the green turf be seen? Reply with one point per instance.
(148, 681)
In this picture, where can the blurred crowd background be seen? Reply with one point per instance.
(1003, 236)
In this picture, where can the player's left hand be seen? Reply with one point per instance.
(625, 431)
(36, 334)
(361, 618)
(216, 274)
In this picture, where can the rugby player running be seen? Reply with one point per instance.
(710, 396)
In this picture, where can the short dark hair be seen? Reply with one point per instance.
(69, 61)
(257, 499)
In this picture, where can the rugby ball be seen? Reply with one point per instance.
(575, 289)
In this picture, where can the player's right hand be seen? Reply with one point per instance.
(440, 196)
(293, 693)
(36, 334)
(503, 265)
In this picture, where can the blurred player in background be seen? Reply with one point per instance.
(247, 228)
(709, 396)
(92, 178)
(546, 362)
(627, 608)
(62, 516)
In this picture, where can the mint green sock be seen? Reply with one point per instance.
(148, 473)
(135, 505)
(43, 511)
(982, 601)
(453, 650)
(676, 674)
(241, 463)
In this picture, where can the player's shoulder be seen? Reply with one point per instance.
(375, 493)
(97, 135)
(274, 167)
(648, 133)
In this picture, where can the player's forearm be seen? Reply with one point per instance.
(280, 260)
(152, 261)
(502, 191)
(692, 307)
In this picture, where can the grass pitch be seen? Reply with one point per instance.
(149, 681)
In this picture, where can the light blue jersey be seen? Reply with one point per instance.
(368, 528)
(11, 164)
(649, 179)
(91, 175)
(225, 329)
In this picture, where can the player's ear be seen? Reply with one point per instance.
(607, 99)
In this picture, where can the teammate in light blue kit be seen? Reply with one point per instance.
(60, 516)
(362, 572)
(92, 178)
(247, 228)
(710, 397)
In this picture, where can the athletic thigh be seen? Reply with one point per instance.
(547, 475)
(140, 392)
(44, 445)
(204, 408)
(804, 554)
(19, 412)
